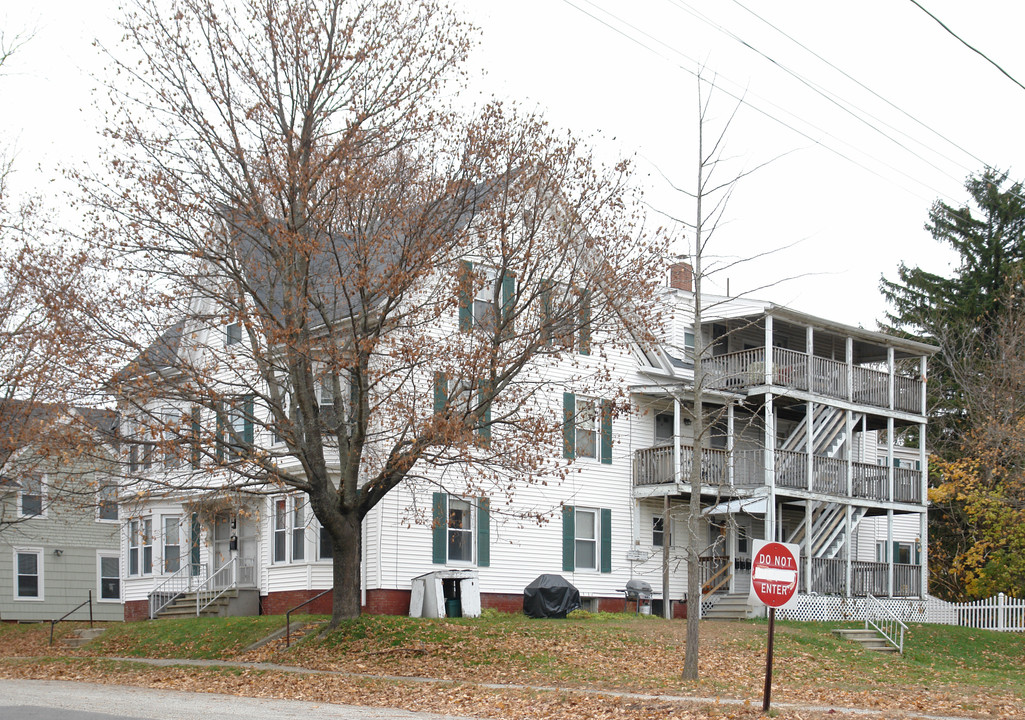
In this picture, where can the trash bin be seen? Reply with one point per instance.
(453, 608)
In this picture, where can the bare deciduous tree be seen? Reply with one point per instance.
(363, 289)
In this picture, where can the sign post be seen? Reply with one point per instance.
(774, 583)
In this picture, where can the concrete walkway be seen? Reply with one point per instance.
(690, 699)
(69, 700)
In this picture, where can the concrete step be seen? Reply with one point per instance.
(730, 607)
(868, 639)
(82, 637)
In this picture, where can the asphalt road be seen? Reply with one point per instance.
(64, 700)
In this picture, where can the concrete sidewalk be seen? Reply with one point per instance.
(688, 699)
(69, 700)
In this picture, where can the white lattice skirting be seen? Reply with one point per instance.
(829, 608)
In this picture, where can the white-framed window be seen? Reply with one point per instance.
(658, 532)
(32, 498)
(233, 333)
(484, 311)
(108, 577)
(28, 574)
(106, 502)
(280, 531)
(460, 530)
(325, 550)
(587, 427)
(140, 546)
(172, 543)
(586, 539)
(298, 529)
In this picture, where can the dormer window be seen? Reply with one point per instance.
(233, 334)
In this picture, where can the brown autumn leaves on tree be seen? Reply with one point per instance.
(296, 170)
(45, 348)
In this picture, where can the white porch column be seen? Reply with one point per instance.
(677, 425)
(730, 445)
(809, 445)
(807, 545)
(923, 552)
(850, 368)
(890, 367)
(770, 468)
(848, 566)
(922, 364)
(768, 350)
(889, 552)
(889, 459)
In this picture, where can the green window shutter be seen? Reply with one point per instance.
(606, 432)
(508, 302)
(440, 392)
(569, 537)
(484, 532)
(606, 540)
(194, 545)
(247, 419)
(196, 431)
(918, 553)
(584, 335)
(465, 296)
(547, 331)
(439, 553)
(895, 551)
(569, 425)
(484, 429)
(219, 412)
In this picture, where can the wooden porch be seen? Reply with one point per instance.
(829, 577)
(746, 469)
(794, 370)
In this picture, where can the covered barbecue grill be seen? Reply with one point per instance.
(550, 596)
(640, 593)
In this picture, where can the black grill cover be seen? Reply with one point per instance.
(550, 596)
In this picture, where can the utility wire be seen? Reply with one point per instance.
(752, 106)
(967, 45)
(869, 90)
(851, 109)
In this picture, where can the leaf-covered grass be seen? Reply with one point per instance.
(947, 669)
(201, 638)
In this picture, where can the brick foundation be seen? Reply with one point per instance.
(501, 602)
(136, 610)
(613, 605)
(278, 603)
(387, 602)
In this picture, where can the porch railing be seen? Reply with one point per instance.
(790, 368)
(185, 579)
(887, 624)
(654, 466)
(829, 577)
(869, 481)
(221, 581)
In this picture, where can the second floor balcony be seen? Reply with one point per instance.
(796, 471)
(793, 370)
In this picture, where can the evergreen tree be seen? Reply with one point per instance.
(988, 232)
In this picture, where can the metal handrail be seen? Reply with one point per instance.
(885, 622)
(173, 588)
(88, 601)
(288, 616)
(209, 588)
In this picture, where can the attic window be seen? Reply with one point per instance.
(233, 334)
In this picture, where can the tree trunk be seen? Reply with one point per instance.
(347, 552)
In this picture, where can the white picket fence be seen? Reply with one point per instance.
(1002, 612)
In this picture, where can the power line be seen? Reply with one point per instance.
(846, 106)
(865, 87)
(967, 45)
(744, 100)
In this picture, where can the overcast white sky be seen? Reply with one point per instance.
(847, 201)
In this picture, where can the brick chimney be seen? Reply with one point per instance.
(681, 276)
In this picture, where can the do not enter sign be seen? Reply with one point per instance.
(774, 573)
